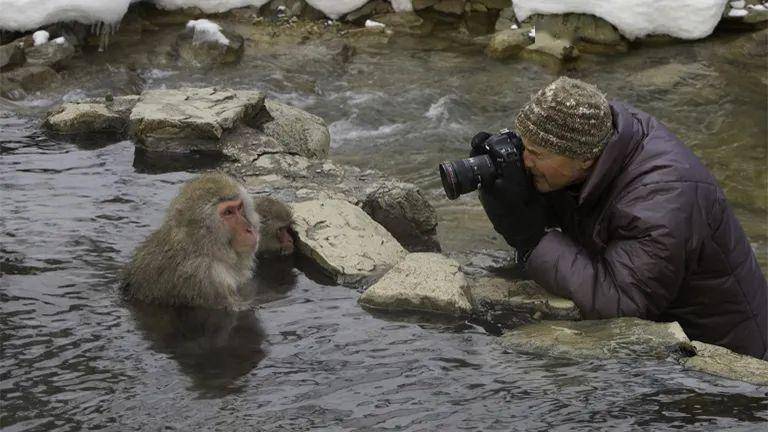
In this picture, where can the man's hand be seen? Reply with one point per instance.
(514, 207)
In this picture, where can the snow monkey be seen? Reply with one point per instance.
(204, 251)
(276, 227)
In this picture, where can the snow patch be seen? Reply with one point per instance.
(735, 13)
(402, 5)
(40, 37)
(208, 6)
(59, 40)
(336, 8)
(739, 4)
(374, 24)
(32, 14)
(204, 30)
(684, 19)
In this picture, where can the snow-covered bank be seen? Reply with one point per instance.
(22, 15)
(684, 19)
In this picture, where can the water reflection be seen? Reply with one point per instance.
(212, 347)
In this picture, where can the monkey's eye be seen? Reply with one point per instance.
(228, 211)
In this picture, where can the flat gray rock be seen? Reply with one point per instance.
(596, 339)
(346, 243)
(719, 361)
(191, 119)
(88, 117)
(297, 131)
(427, 282)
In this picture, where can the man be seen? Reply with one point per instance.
(644, 228)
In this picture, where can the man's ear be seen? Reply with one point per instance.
(586, 165)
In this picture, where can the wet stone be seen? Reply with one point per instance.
(597, 339)
(426, 282)
(32, 78)
(719, 361)
(53, 53)
(344, 241)
(494, 298)
(11, 55)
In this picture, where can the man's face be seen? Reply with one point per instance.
(553, 171)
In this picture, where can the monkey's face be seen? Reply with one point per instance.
(243, 234)
(285, 239)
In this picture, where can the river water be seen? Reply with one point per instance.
(77, 357)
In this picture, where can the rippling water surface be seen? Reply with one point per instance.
(76, 357)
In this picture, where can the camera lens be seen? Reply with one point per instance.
(466, 175)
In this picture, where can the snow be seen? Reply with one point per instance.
(402, 5)
(739, 4)
(40, 37)
(684, 19)
(208, 6)
(59, 40)
(374, 24)
(32, 14)
(735, 13)
(336, 8)
(204, 30)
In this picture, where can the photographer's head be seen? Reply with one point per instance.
(564, 129)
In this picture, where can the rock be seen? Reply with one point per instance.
(400, 207)
(404, 212)
(284, 8)
(455, 7)
(53, 53)
(548, 48)
(12, 90)
(495, 4)
(494, 298)
(31, 78)
(423, 4)
(405, 23)
(421, 282)
(508, 43)
(298, 131)
(506, 19)
(587, 33)
(479, 23)
(208, 53)
(599, 339)
(191, 119)
(86, 118)
(375, 7)
(344, 241)
(11, 55)
(719, 361)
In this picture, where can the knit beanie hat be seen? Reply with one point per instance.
(568, 117)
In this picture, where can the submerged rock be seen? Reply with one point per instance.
(346, 243)
(600, 339)
(495, 297)
(719, 361)
(191, 119)
(426, 282)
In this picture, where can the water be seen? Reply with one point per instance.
(76, 357)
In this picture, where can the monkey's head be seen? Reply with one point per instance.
(216, 207)
(277, 234)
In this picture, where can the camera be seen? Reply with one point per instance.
(466, 175)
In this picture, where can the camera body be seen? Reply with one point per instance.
(490, 156)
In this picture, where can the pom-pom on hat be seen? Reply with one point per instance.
(568, 117)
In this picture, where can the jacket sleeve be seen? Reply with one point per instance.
(639, 271)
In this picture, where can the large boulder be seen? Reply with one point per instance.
(91, 117)
(191, 119)
(52, 53)
(719, 361)
(498, 299)
(346, 243)
(610, 338)
(426, 282)
(296, 130)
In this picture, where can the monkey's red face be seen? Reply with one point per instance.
(244, 237)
